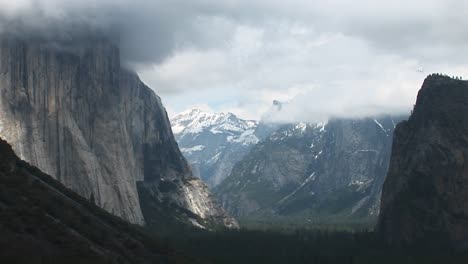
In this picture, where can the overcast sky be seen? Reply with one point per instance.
(326, 58)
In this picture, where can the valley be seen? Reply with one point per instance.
(233, 132)
(304, 173)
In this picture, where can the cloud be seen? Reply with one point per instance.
(327, 58)
(153, 30)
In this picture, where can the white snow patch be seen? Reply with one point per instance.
(310, 178)
(192, 149)
(215, 131)
(359, 204)
(320, 153)
(214, 159)
(246, 138)
(356, 182)
(194, 130)
(380, 125)
(322, 126)
(196, 224)
(301, 126)
(176, 129)
(360, 184)
(229, 127)
(254, 170)
(367, 150)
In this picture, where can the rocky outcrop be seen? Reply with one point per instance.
(167, 204)
(315, 172)
(40, 218)
(425, 196)
(70, 109)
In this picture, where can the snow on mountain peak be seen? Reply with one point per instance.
(213, 142)
(194, 121)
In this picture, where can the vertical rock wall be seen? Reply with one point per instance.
(72, 111)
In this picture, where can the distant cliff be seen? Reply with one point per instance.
(313, 172)
(425, 195)
(73, 111)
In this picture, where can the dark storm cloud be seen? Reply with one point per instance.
(247, 53)
(147, 31)
(143, 36)
(150, 31)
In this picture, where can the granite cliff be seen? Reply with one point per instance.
(73, 111)
(425, 194)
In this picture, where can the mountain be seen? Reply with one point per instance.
(425, 195)
(72, 110)
(313, 172)
(39, 218)
(214, 142)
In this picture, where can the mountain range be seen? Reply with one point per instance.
(319, 172)
(303, 171)
(214, 142)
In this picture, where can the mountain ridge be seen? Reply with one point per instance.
(213, 142)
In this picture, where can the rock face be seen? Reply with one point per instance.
(313, 171)
(74, 112)
(40, 217)
(213, 142)
(425, 196)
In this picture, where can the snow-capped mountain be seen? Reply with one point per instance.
(195, 121)
(214, 142)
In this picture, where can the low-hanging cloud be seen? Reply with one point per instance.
(328, 58)
(151, 30)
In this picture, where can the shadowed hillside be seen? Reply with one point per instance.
(40, 217)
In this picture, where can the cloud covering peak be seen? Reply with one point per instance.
(330, 58)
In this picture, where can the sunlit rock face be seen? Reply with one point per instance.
(424, 199)
(74, 112)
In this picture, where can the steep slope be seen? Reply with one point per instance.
(70, 109)
(313, 171)
(40, 217)
(213, 142)
(425, 194)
